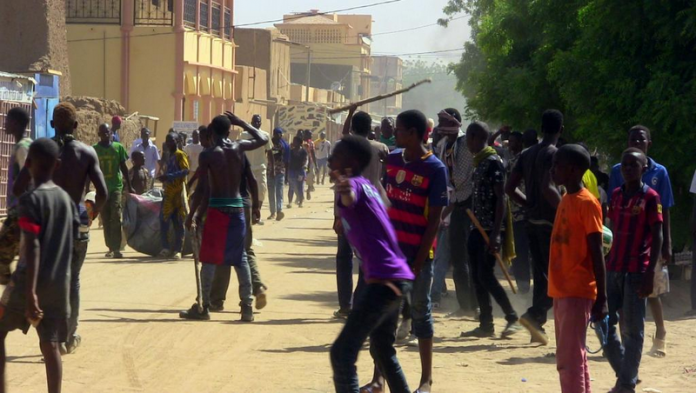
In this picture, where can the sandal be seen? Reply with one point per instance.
(659, 348)
(371, 388)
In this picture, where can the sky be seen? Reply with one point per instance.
(399, 15)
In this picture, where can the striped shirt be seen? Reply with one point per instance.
(411, 188)
(632, 218)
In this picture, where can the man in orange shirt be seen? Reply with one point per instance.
(577, 281)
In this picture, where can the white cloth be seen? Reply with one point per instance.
(152, 156)
(193, 151)
(323, 149)
(693, 184)
(257, 158)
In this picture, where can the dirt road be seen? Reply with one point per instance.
(134, 341)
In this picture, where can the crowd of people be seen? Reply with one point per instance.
(413, 199)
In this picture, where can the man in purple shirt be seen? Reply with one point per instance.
(387, 275)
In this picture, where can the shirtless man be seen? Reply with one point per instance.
(78, 165)
(220, 167)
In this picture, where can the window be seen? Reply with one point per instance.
(215, 22)
(205, 19)
(190, 12)
(93, 11)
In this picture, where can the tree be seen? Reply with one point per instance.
(606, 64)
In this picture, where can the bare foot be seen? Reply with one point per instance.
(424, 387)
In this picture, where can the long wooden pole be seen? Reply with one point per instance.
(483, 233)
(379, 97)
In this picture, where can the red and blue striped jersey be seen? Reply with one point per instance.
(411, 188)
(632, 218)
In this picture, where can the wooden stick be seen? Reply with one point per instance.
(379, 97)
(483, 233)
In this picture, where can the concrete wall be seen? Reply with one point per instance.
(95, 61)
(33, 38)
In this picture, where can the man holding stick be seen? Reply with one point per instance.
(489, 205)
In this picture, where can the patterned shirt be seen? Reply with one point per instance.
(656, 177)
(487, 175)
(309, 147)
(411, 188)
(632, 218)
(461, 167)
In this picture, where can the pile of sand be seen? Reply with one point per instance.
(91, 112)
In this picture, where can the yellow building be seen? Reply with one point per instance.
(337, 49)
(173, 59)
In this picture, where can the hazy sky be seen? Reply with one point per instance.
(401, 15)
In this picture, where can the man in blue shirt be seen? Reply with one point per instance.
(657, 178)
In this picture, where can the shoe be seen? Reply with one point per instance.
(341, 314)
(411, 341)
(511, 329)
(309, 196)
(109, 254)
(404, 329)
(73, 343)
(164, 253)
(194, 314)
(177, 256)
(216, 308)
(5, 274)
(261, 222)
(271, 217)
(538, 334)
(261, 300)
(118, 255)
(299, 205)
(281, 215)
(479, 332)
(247, 314)
(289, 206)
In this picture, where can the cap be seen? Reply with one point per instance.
(116, 120)
(278, 130)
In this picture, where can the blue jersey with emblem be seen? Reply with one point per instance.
(656, 177)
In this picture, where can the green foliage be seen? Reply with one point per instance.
(606, 64)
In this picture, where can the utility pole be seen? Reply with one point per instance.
(309, 72)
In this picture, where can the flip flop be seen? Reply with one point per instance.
(659, 348)
(370, 389)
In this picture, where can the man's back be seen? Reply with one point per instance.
(535, 164)
(77, 160)
(224, 165)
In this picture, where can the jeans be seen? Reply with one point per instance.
(624, 355)
(571, 316)
(111, 218)
(375, 316)
(176, 219)
(441, 263)
(485, 282)
(460, 227)
(275, 192)
(344, 273)
(421, 302)
(78, 259)
(539, 246)
(521, 266)
(223, 273)
(243, 276)
(323, 169)
(296, 180)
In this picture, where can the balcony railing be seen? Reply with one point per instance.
(154, 13)
(93, 12)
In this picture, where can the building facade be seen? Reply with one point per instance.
(173, 59)
(337, 49)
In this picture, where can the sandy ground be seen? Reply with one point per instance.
(134, 341)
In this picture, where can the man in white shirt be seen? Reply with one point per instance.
(257, 158)
(323, 150)
(193, 150)
(152, 155)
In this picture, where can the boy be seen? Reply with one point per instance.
(40, 289)
(278, 158)
(576, 268)
(220, 170)
(636, 220)
(296, 172)
(323, 151)
(489, 205)
(112, 161)
(16, 123)
(312, 168)
(540, 200)
(387, 275)
(138, 175)
(416, 185)
(173, 207)
(657, 178)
